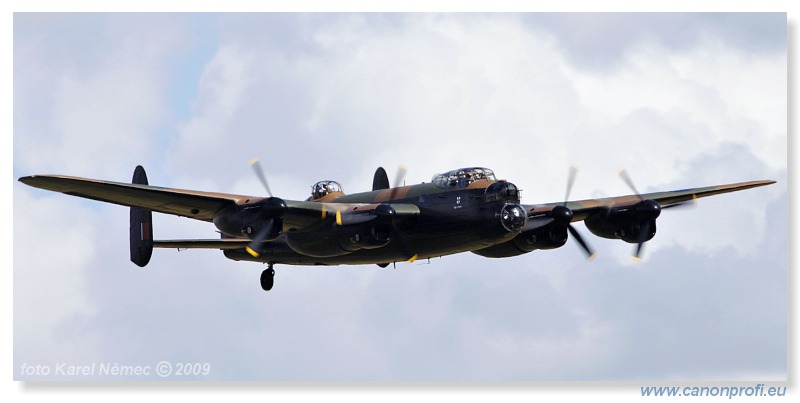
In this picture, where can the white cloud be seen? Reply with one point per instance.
(334, 96)
(51, 298)
(90, 91)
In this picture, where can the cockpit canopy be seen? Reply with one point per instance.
(460, 178)
(324, 188)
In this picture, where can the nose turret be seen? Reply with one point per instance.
(513, 217)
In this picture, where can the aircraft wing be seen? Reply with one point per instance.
(203, 205)
(583, 208)
(186, 203)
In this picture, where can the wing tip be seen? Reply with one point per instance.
(754, 184)
(36, 181)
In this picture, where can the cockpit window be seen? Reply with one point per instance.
(459, 178)
(323, 188)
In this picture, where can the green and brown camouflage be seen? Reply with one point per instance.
(461, 210)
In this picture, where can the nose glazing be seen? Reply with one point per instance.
(513, 217)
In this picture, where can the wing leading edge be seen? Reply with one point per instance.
(583, 208)
(187, 203)
(198, 204)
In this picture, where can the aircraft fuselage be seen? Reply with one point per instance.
(450, 221)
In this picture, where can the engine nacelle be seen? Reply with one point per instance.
(626, 223)
(547, 237)
(254, 227)
(356, 237)
(628, 231)
(248, 220)
(341, 240)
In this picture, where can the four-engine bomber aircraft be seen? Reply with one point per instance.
(464, 210)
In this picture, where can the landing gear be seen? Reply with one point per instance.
(268, 278)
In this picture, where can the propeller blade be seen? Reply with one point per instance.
(256, 164)
(255, 244)
(573, 170)
(567, 218)
(398, 181)
(401, 175)
(624, 175)
(644, 231)
(586, 248)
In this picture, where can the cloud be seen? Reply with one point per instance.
(601, 43)
(50, 272)
(680, 100)
(86, 100)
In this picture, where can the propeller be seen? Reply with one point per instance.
(540, 220)
(398, 181)
(256, 164)
(624, 175)
(560, 214)
(644, 231)
(646, 211)
(272, 208)
(590, 254)
(573, 171)
(262, 235)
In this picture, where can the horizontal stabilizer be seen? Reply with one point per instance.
(225, 243)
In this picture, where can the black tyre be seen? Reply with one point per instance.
(267, 279)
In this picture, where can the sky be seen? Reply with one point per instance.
(679, 100)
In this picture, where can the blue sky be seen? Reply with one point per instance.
(679, 100)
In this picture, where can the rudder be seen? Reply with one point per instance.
(380, 181)
(141, 229)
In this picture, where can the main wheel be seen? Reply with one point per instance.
(267, 279)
